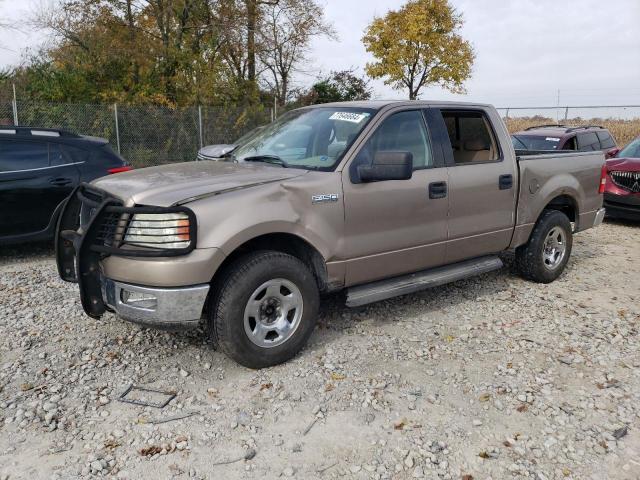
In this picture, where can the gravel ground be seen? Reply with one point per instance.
(493, 377)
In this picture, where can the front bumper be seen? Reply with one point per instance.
(156, 307)
(622, 206)
(90, 229)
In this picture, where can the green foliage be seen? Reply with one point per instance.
(340, 86)
(419, 45)
(167, 52)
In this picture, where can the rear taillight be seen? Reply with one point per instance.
(125, 168)
(603, 179)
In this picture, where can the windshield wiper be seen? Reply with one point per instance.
(273, 159)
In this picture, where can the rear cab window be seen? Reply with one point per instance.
(471, 136)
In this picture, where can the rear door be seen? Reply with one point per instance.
(482, 189)
(33, 182)
(396, 226)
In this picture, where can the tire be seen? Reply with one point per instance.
(537, 260)
(246, 318)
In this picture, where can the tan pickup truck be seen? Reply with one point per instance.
(377, 198)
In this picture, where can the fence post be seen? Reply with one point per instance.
(566, 114)
(15, 106)
(115, 115)
(200, 124)
(507, 114)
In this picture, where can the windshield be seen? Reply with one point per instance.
(313, 138)
(535, 142)
(630, 151)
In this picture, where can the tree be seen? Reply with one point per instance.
(286, 32)
(419, 45)
(340, 86)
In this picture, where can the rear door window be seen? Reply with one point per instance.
(588, 141)
(471, 136)
(23, 155)
(605, 139)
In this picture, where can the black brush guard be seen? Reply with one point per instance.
(92, 226)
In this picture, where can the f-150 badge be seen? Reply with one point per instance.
(330, 197)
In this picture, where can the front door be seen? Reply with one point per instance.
(396, 226)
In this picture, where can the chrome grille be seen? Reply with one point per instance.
(627, 180)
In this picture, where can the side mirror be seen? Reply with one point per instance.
(215, 152)
(612, 152)
(387, 166)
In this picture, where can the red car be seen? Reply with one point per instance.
(622, 187)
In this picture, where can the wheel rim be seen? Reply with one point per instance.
(273, 313)
(555, 248)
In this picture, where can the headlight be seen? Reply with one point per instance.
(159, 230)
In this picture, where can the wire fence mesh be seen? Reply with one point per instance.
(144, 135)
(153, 135)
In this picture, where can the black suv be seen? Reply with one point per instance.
(585, 138)
(39, 168)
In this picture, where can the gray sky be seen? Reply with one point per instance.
(526, 50)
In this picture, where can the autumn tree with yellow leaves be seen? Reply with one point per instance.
(419, 45)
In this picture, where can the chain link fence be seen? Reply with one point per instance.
(144, 135)
(152, 135)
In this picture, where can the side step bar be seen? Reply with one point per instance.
(414, 282)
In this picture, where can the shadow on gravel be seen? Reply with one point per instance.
(623, 222)
(26, 252)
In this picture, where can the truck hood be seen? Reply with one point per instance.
(624, 164)
(179, 183)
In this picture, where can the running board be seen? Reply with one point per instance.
(414, 282)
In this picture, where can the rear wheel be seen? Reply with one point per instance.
(544, 257)
(264, 309)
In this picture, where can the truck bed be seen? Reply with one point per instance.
(548, 175)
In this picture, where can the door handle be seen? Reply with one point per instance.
(60, 182)
(505, 182)
(437, 190)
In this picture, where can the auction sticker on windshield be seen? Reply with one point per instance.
(552, 139)
(349, 117)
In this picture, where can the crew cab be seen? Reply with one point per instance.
(378, 198)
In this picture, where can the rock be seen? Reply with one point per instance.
(288, 472)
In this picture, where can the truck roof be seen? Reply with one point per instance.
(380, 104)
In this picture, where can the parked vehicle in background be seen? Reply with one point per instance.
(587, 138)
(622, 190)
(379, 198)
(39, 168)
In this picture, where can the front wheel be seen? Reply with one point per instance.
(544, 257)
(264, 308)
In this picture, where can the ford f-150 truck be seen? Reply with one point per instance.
(379, 198)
